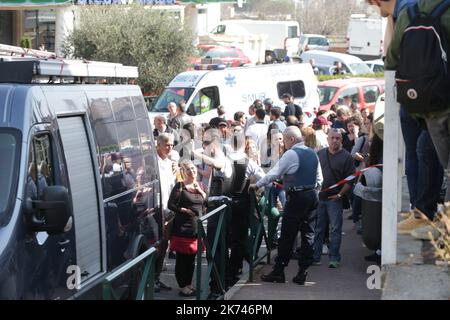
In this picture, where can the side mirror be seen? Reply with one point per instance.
(53, 213)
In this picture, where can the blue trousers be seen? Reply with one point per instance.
(423, 170)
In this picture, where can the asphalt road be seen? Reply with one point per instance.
(349, 282)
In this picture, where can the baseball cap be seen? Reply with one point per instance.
(320, 121)
(286, 95)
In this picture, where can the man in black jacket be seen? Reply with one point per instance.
(291, 109)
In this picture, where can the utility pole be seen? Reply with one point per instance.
(295, 9)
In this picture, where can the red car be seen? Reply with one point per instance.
(363, 91)
(229, 56)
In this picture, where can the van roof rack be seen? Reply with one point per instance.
(21, 65)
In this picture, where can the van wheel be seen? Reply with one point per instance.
(139, 246)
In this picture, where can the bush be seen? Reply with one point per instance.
(442, 244)
(153, 41)
(26, 42)
(343, 76)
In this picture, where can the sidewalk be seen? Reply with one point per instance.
(415, 276)
(347, 282)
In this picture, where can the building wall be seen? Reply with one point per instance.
(49, 26)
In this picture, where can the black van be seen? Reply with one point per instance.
(79, 184)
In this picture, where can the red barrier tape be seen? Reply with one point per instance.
(350, 177)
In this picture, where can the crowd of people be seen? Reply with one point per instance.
(232, 155)
(204, 166)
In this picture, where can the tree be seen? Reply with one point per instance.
(153, 41)
(327, 17)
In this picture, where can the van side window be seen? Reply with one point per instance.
(378, 68)
(150, 170)
(122, 108)
(296, 88)
(292, 32)
(206, 99)
(370, 93)
(130, 152)
(40, 166)
(140, 108)
(352, 92)
(101, 110)
(109, 162)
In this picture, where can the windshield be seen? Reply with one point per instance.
(171, 95)
(221, 54)
(9, 147)
(360, 68)
(326, 94)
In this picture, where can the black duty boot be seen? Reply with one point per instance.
(300, 278)
(277, 275)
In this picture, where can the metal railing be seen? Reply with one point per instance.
(202, 284)
(146, 286)
(257, 232)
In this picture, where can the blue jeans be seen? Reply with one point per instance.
(280, 194)
(411, 131)
(423, 170)
(329, 211)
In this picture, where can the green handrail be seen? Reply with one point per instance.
(219, 274)
(146, 282)
(257, 232)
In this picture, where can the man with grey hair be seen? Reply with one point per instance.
(337, 164)
(167, 173)
(172, 108)
(302, 176)
(181, 117)
(160, 124)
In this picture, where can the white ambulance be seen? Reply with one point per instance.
(237, 88)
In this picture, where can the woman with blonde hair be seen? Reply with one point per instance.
(310, 139)
(252, 151)
(187, 200)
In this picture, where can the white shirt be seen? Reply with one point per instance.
(252, 120)
(167, 180)
(258, 133)
(322, 138)
(288, 164)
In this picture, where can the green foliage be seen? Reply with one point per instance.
(326, 77)
(135, 36)
(25, 42)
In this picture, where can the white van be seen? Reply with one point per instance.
(365, 36)
(282, 36)
(325, 62)
(237, 88)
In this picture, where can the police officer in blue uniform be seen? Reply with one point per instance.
(302, 176)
